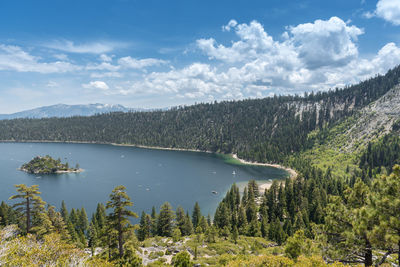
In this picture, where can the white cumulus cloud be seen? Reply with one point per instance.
(324, 43)
(388, 10)
(311, 56)
(96, 85)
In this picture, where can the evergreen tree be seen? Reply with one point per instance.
(276, 232)
(165, 220)
(100, 216)
(251, 208)
(93, 237)
(7, 215)
(242, 221)
(64, 212)
(386, 206)
(196, 216)
(74, 219)
(41, 223)
(180, 219)
(30, 196)
(348, 226)
(154, 216)
(188, 228)
(203, 224)
(57, 222)
(235, 234)
(118, 218)
(83, 222)
(144, 230)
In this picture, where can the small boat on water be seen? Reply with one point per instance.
(233, 173)
(214, 192)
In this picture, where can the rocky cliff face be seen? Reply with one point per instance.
(375, 120)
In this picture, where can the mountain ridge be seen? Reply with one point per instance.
(263, 130)
(64, 110)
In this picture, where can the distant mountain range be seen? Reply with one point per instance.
(63, 110)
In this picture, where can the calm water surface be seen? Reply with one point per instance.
(150, 176)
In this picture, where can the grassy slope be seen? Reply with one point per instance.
(330, 151)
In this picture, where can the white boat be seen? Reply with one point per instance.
(233, 173)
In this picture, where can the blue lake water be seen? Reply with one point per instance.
(150, 176)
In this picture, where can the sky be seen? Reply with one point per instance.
(156, 54)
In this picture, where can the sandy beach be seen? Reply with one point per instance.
(262, 187)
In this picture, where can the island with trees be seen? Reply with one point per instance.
(48, 165)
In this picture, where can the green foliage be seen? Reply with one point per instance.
(264, 130)
(144, 230)
(46, 165)
(196, 216)
(165, 220)
(380, 156)
(118, 218)
(297, 245)
(386, 206)
(176, 235)
(30, 197)
(51, 250)
(182, 259)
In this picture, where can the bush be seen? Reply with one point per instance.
(182, 259)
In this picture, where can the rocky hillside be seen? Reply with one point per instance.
(374, 120)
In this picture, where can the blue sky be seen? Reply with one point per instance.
(164, 53)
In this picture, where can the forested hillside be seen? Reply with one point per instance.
(342, 208)
(264, 130)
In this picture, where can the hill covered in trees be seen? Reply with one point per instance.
(342, 208)
(264, 130)
(47, 165)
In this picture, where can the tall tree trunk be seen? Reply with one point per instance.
(368, 253)
(120, 244)
(28, 216)
(109, 247)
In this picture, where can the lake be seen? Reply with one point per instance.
(150, 176)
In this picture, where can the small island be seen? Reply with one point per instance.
(48, 165)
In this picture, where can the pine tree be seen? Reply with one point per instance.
(196, 216)
(144, 230)
(348, 226)
(74, 219)
(251, 208)
(235, 234)
(64, 212)
(165, 220)
(188, 226)
(41, 223)
(180, 219)
(386, 206)
(153, 221)
(118, 218)
(264, 227)
(203, 224)
(93, 237)
(83, 220)
(100, 216)
(30, 196)
(211, 234)
(242, 221)
(276, 233)
(57, 222)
